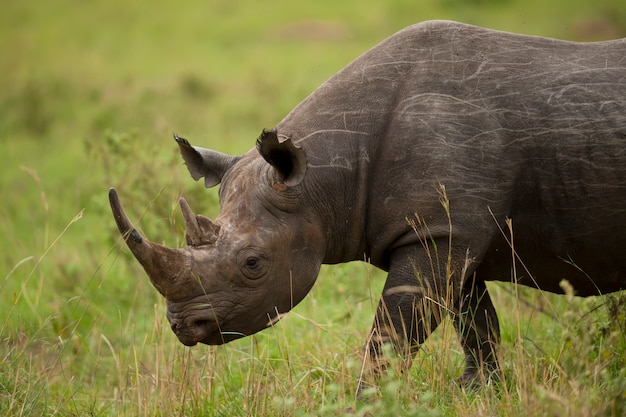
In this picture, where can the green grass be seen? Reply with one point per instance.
(91, 93)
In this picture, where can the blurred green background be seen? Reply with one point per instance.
(90, 94)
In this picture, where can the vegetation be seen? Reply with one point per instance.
(91, 93)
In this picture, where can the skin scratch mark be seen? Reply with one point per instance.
(323, 131)
(478, 70)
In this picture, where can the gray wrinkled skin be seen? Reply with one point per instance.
(491, 125)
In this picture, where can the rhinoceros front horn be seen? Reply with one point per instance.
(162, 264)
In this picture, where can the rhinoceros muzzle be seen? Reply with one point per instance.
(205, 332)
(190, 335)
(194, 322)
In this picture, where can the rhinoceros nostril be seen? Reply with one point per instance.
(174, 326)
(201, 324)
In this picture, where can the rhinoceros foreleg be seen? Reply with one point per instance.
(412, 306)
(407, 313)
(479, 333)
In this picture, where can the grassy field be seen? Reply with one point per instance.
(90, 95)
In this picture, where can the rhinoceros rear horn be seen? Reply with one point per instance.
(288, 160)
(162, 264)
(205, 163)
(199, 230)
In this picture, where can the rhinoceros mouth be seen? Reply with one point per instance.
(187, 342)
(212, 339)
(206, 332)
(191, 337)
(220, 338)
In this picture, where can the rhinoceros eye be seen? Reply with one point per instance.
(252, 263)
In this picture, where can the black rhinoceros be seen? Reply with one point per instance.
(416, 157)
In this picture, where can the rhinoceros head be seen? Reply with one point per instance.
(259, 258)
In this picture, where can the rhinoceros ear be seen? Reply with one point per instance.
(288, 159)
(204, 162)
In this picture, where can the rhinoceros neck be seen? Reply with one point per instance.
(336, 187)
